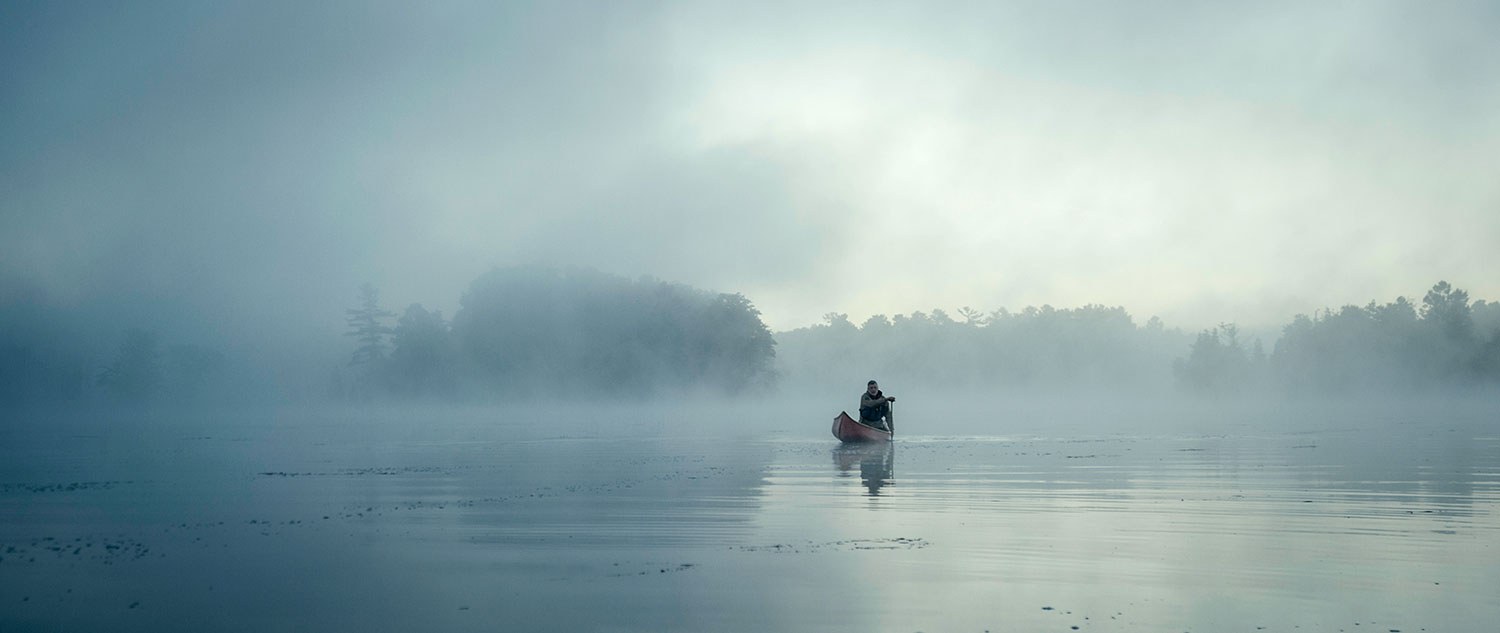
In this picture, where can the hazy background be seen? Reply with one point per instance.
(460, 316)
(226, 175)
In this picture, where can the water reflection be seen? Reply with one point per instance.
(462, 523)
(876, 463)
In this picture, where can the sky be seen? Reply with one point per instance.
(238, 169)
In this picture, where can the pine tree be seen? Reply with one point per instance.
(367, 326)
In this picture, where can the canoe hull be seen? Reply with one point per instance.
(847, 429)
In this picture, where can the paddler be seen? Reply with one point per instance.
(875, 407)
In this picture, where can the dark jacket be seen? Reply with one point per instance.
(869, 409)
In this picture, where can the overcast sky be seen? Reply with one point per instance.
(244, 166)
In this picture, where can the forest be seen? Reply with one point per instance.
(1445, 342)
(530, 332)
(568, 333)
(1087, 348)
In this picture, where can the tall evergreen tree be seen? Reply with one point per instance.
(367, 326)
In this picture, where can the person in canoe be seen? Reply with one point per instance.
(875, 407)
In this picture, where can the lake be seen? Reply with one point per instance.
(571, 519)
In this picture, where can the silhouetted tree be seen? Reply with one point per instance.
(422, 357)
(367, 326)
(1448, 325)
(838, 321)
(737, 349)
(971, 316)
(1218, 363)
(1486, 318)
(1447, 309)
(1390, 346)
(876, 323)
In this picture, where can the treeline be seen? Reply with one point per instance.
(140, 369)
(1447, 342)
(564, 333)
(584, 334)
(1090, 347)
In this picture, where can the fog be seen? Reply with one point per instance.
(626, 262)
(229, 175)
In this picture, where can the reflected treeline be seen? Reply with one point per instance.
(568, 333)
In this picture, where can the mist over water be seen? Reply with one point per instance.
(665, 517)
(537, 317)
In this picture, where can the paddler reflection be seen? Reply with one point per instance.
(876, 461)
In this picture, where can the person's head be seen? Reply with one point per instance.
(872, 387)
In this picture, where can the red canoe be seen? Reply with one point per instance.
(848, 429)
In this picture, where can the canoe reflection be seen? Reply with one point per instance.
(876, 463)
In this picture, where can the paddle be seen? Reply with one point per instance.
(890, 417)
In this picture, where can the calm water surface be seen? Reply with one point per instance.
(323, 523)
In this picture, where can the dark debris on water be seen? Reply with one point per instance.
(844, 545)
